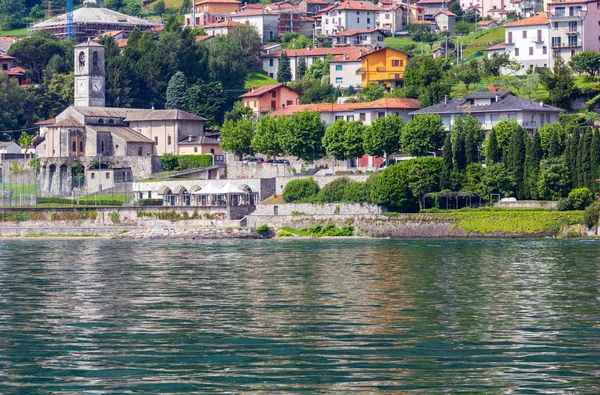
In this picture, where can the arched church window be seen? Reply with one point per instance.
(101, 121)
(95, 61)
(81, 59)
(81, 146)
(74, 146)
(102, 145)
(111, 121)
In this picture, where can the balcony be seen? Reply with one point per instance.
(537, 40)
(530, 125)
(566, 46)
(575, 15)
(571, 32)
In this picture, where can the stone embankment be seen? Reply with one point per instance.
(189, 233)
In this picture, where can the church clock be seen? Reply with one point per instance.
(89, 75)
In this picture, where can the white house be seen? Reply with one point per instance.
(344, 70)
(348, 15)
(445, 20)
(265, 22)
(391, 18)
(220, 28)
(490, 107)
(271, 61)
(353, 38)
(528, 42)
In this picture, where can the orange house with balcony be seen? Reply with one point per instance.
(384, 66)
(269, 98)
(218, 6)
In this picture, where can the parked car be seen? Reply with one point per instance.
(281, 162)
(252, 159)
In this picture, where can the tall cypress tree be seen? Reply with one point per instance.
(516, 160)
(493, 152)
(176, 91)
(533, 156)
(571, 157)
(301, 67)
(446, 182)
(595, 157)
(553, 148)
(460, 160)
(471, 151)
(583, 160)
(284, 71)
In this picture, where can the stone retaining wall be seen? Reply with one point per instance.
(317, 209)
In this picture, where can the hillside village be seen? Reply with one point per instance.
(222, 105)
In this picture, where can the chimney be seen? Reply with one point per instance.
(190, 138)
(541, 103)
(344, 56)
(252, 89)
(445, 99)
(360, 52)
(497, 97)
(360, 5)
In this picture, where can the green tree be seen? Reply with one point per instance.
(159, 8)
(448, 166)
(176, 91)
(497, 179)
(464, 27)
(533, 156)
(301, 68)
(423, 134)
(493, 65)
(504, 129)
(515, 160)
(424, 176)
(266, 138)
(458, 151)
(303, 136)
(239, 111)
(372, 92)
(554, 182)
(494, 155)
(595, 157)
(586, 62)
(33, 53)
(546, 133)
(466, 132)
(344, 140)
(391, 188)
(12, 13)
(584, 167)
(236, 136)
(302, 190)
(226, 62)
(559, 83)
(284, 72)
(206, 99)
(571, 157)
(319, 68)
(383, 137)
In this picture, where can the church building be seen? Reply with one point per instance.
(90, 129)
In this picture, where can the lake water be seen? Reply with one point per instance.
(384, 316)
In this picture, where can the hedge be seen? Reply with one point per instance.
(183, 162)
(79, 202)
(150, 202)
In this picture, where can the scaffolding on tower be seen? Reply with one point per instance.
(69, 19)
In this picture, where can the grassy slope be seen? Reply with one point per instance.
(258, 78)
(13, 33)
(479, 41)
(176, 4)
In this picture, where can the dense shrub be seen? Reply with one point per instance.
(591, 215)
(183, 162)
(263, 229)
(580, 198)
(302, 190)
(80, 202)
(343, 190)
(150, 202)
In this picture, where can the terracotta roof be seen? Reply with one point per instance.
(349, 57)
(357, 5)
(538, 19)
(446, 12)
(17, 70)
(485, 23)
(355, 32)
(251, 12)
(203, 38)
(50, 121)
(433, 2)
(263, 90)
(217, 2)
(223, 24)
(316, 51)
(122, 42)
(6, 57)
(497, 47)
(257, 6)
(384, 49)
(515, 1)
(110, 34)
(317, 2)
(423, 23)
(388, 103)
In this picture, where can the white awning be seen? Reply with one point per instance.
(179, 189)
(208, 189)
(164, 190)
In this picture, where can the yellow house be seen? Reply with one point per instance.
(217, 6)
(384, 66)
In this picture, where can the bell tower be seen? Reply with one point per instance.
(89, 75)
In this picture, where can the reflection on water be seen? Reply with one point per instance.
(314, 315)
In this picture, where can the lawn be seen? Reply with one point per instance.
(19, 189)
(481, 41)
(258, 78)
(175, 4)
(408, 44)
(12, 33)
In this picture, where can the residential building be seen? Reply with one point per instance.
(9, 148)
(266, 22)
(312, 7)
(269, 98)
(391, 18)
(271, 61)
(199, 145)
(5, 43)
(383, 66)
(345, 70)
(445, 21)
(348, 15)
(221, 28)
(365, 112)
(490, 107)
(574, 27)
(6, 62)
(90, 22)
(291, 17)
(486, 25)
(207, 12)
(528, 42)
(371, 38)
(432, 7)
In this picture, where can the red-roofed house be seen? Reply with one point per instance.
(348, 15)
(265, 22)
(6, 62)
(391, 17)
(221, 28)
(485, 25)
(269, 98)
(528, 42)
(352, 38)
(311, 7)
(271, 60)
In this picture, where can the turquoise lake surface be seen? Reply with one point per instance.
(99, 316)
